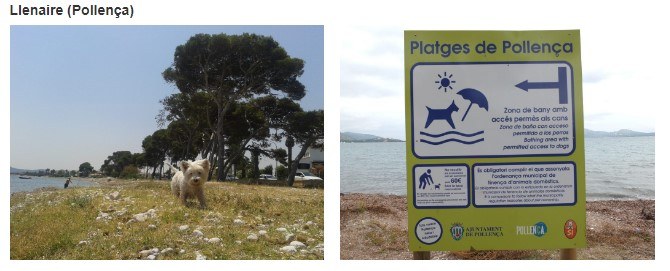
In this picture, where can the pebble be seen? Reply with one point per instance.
(152, 227)
(145, 252)
(151, 257)
(297, 244)
(281, 229)
(252, 237)
(114, 195)
(214, 240)
(140, 217)
(197, 233)
(288, 249)
(199, 256)
(183, 227)
(262, 233)
(83, 242)
(238, 222)
(289, 237)
(167, 251)
(182, 251)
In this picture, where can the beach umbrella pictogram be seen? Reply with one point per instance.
(475, 97)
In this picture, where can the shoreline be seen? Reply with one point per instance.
(374, 226)
(587, 199)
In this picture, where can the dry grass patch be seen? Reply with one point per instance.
(241, 222)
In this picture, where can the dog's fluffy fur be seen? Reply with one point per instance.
(189, 182)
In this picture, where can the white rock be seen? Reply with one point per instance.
(289, 237)
(310, 223)
(83, 242)
(288, 249)
(262, 233)
(145, 252)
(252, 237)
(151, 257)
(281, 229)
(214, 240)
(182, 251)
(151, 213)
(155, 250)
(297, 244)
(114, 195)
(238, 222)
(238, 242)
(140, 217)
(168, 251)
(183, 227)
(152, 227)
(199, 256)
(197, 233)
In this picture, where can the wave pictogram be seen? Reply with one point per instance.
(453, 138)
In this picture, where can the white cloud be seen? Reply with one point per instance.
(623, 62)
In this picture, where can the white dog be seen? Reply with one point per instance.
(190, 181)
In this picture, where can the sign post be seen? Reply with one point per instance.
(495, 142)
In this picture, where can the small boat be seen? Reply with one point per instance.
(25, 177)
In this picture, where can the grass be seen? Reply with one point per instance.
(84, 223)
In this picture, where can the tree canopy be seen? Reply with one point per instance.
(231, 70)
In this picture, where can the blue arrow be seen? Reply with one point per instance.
(561, 85)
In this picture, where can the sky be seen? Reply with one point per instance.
(79, 93)
(622, 52)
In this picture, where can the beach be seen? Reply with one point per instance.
(374, 227)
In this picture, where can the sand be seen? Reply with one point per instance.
(374, 226)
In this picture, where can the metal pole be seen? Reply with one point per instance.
(421, 255)
(568, 254)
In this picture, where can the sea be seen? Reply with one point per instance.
(616, 168)
(25, 185)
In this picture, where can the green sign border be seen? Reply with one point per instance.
(496, 228)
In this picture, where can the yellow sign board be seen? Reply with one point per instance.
(495, 140)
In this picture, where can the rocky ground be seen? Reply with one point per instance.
(143, 220)
(375, 227)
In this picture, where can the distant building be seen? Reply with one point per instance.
(312, 161)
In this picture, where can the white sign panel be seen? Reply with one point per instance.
(493, 109)
(525, 184)
(441, 186)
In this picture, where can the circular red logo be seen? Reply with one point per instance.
(570, 229)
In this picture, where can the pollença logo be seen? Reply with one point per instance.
(539, 229)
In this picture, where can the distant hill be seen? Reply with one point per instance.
(21, 171)
(356, 137)
(620, 133)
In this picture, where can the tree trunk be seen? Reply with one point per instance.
(254, 161)
(289, 160)
(294, 165)
(160, 176)
(220, 176)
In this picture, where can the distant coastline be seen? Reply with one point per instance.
(620, 133)
(349, 137)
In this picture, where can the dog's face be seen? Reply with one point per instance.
(195, 173)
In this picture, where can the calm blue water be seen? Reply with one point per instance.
(616, 168)
(20, 185)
